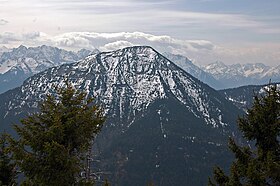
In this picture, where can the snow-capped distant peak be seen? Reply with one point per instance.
(26, 61)
(242, 74)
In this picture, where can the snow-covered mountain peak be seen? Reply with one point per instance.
(135, 60)
(256, 69)
(217, 65)
(126, 82)
(20, 48)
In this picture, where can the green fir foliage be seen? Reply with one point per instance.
(53, 142)
(7, 167)
(258, 165)
(106, 183)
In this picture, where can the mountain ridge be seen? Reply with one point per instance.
(237, 75)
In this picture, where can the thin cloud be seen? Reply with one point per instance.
(11, 39)
(148, 16)
(3, 22)
(115, 45)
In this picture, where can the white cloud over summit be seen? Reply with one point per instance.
(200, 51)
(105, 41)
(115, 45)
(111, 41)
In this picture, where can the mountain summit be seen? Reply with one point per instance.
(162, 124)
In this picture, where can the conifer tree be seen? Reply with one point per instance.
(258, 165)
(106, 183)
(53, 142)
(7, 167)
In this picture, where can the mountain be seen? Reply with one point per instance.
(22, 62)
(243, 74)
(243, 97)
(3, 49)
(194, 70)
(163, 125)
(273, 74)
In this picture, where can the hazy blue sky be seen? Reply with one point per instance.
(232, 31)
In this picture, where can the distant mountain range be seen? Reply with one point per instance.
(194, 70)
(237, 75)
(163, 124)
(18, 64)
(4, 49)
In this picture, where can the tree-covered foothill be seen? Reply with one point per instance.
(256, 165)
(52, 143)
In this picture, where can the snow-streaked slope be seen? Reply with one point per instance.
(243, 97)
(22, 62)
(134, 76)
(194, 70)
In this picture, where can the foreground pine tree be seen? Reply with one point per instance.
(259, 165)
(53, 142)
(7, 167)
